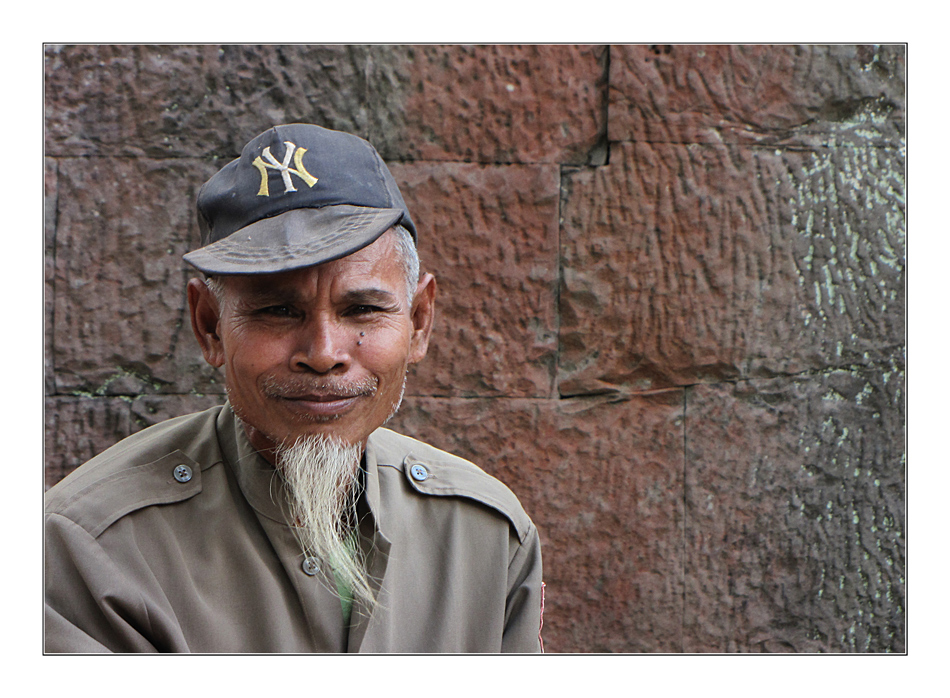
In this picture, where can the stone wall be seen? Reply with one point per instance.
(672, 302)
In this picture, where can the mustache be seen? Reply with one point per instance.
(299, 386)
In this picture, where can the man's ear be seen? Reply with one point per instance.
(423, 314)
(205, 315)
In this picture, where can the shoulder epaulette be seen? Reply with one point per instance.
(139, 471)
(431, 471)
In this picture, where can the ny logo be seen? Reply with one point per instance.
(270, 162)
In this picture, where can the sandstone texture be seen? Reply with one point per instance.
(756, 95)
(671, 315)
(489, 234)
(729, 262)
(49, 263)
(780, 473)
(123, 327)
(482, 104)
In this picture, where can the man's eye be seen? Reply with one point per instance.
(277, 310)
(364, 309)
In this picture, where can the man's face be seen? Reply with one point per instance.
(323, 349)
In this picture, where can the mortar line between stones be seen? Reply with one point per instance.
(873, 365)
(184, 317)
(558, 278)
(607, 106)
(790, 147)
(52, 320)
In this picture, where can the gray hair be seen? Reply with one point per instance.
(216, 287)
(408, 257)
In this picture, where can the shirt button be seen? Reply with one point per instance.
(182, 473)
(418, 472)
(310, 566)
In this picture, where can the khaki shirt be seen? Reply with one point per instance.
(144, 556)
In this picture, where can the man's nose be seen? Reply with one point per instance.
(323, 346)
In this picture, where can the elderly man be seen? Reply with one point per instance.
(289, 520)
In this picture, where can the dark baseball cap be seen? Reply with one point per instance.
(299, 195)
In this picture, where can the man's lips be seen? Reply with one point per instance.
(326, 406)
(324, 397)
(321, 400)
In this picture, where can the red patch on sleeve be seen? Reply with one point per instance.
(542, 619)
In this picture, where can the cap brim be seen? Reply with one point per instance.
(300, 237)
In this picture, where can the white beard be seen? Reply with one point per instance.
(322, 474)
(323, 486)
